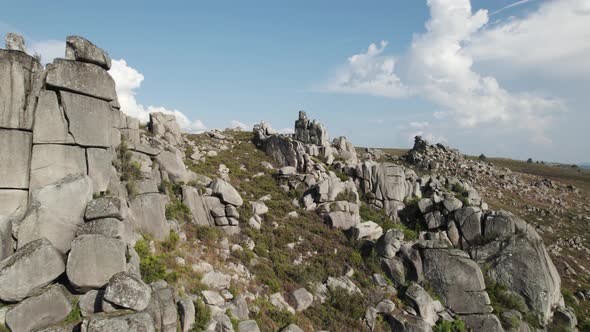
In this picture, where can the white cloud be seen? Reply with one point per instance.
(419, 125)
(235, 124)
(553, 40)
(48, 49)
(369, 73)
(128, 81)
(439, 68)
(512, 5)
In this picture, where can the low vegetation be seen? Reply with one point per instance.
(130, 170)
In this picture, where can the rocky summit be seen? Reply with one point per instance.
(109, 224)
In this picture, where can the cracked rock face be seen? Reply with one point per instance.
(128, 291)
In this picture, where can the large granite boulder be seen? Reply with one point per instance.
(51, 125)
(100, 168)
(147, 214)
(128, 291)
(80, 49)
(161, 123)
(15, 42)
(109, 227)
(421, 301)
(140, 322)
(52, 162)
(15, 157)
(483, 323)
(174, 166)
(22, 79)
(29, 269)
(94, 259)
(162, 307)
(406, 323)
(457, 280)
(106, 207)
(50, 218)
(80, 77)
(46, 308)
(89, 119)
(195, 202)
(226, 192)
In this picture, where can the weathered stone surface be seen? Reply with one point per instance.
(457, 280)
(174, 165)
(89, 119)
(109, 227)
(162, 308)
(292, 328)
(51, 126)
(248, 326)
(469, 221)
(213, 298)
(367, 230)
(483, 323)
(15, 156)
(80, 49)
(94, 259)
(186, 309)
(19, 88)
(389, 244)
(146, 214)
(239, 308)
(29, 269)
(226, 192)
(140, 322)
(452, 203)
(7, 241)
(310, 132)
(303, 299)
(84, 78)
(161, 123)
(421, 301)
(128, 291)
(51, 162)
(406, 323)
(49, 217)
(195, 202)
(91, 302)
(14, 42)
(14, 202)
(106, 207)
(44, 309)
(216, 280)
(100, 164)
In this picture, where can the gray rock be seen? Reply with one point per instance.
(133, 261)
(29, 269)
(14, 42)
(385, 306)
(483, 323)
(216, 280)
(15, 157)
(186, 309)
(469, 221)
(84, 78)
(48, 216)
(128, 291)
(94, 259)
(406, 323)
(226, 192)
(51, 126)
(52, 162)
(132, 322)
(500, 225)
(292, 328)
(395, 270)
(564, 318)
(162, 308)
(425, 205)
(343, 282)
(91, 302)
(161, 123)
(48, 307)
(147, 214)
(22, 79)
(248, 326)
(89, 119)
(457, 280)
(434, 219)
(106, 207)
(310, 132)
(14, 205)
(451, 204)
(368, 230)
(421, 301)
(303, 299)
(370, 318)
(213, 298)
(389, 244)
(174, 165)
(278, 301)
(80, 49)
(100, 168)
(239, 308)
(145, 149)
(194, 201)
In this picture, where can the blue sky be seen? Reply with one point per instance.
(503, 91)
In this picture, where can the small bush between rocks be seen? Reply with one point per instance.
(202, 316)
(457, 325)
(74, 316)
(130, 170)
(3, 328)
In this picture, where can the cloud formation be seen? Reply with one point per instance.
(439, 66)
(128, 80)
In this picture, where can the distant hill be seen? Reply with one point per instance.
(584, 165)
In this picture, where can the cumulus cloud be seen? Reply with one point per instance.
(370, 73)
(438, 67)
(238, 125)
(128, 80)
(555, 39)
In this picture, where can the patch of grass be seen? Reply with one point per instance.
(3, 328)
(207, 234)
(130, 170)
(75, 315)
(271, 317)
(178, 211)
(154, 266)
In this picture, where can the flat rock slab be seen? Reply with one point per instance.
(51, 126)
(109, 227)
(100, 168)
(134, 322)
(15, 157)
(19, 88)
(13, 200)
(94, 259)
(29, 269)
(128, 291)
(147, 214)
(106, 207)
(226, 192)
(49, 217)
(83, 78)
(52, 162)
(80, 49)
(47, 308)
(89, 119)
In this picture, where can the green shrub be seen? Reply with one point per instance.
(3, 328)
(171, 242)
(457, 325)
(202, 315)
(74, 316)
(351, 305)
(178, 211)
